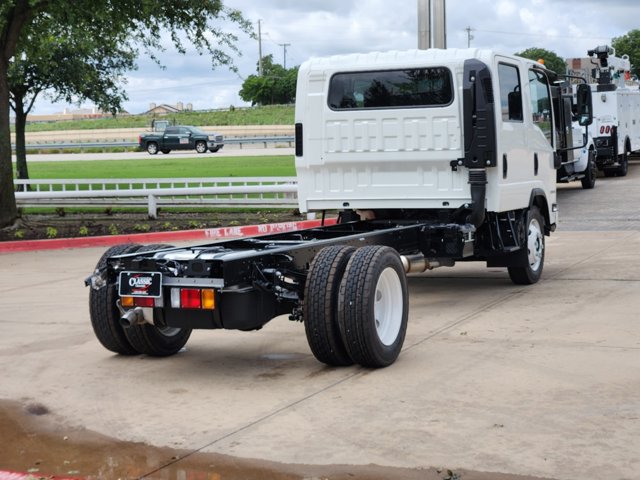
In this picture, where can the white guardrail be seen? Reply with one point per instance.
(231, 192)
(282, 139)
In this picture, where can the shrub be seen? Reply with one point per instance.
(52, 232)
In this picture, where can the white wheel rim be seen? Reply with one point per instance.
(535, 244)
(388, 306)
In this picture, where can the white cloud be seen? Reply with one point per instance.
(505, 8)
(328, 27)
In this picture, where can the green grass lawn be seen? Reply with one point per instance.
(198, 167)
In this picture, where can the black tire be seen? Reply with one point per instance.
(166, 151)
(591, 172)
(157, 340)
(103, 311)
(152, 148)
(214, 149)
(373, 306)
(320, 305)
(531, 269)
(201, 147)
(623, 169)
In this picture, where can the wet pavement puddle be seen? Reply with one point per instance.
(34, 441)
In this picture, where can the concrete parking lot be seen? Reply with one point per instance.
(538, 381)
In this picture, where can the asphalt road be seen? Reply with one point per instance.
(541, 380)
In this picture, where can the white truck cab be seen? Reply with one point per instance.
(461, 136)
(393, 131)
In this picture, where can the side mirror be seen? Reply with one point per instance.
(584, 109)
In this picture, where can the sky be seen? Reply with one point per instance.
(329, 27)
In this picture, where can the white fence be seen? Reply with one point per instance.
(231, 192)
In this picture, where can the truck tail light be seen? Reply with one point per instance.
(190, 298)
(128, 302)
(197, 298)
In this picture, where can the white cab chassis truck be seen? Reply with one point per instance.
(616, 112)
(430, 157)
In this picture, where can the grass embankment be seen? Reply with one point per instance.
(267, 115)
(199, 167)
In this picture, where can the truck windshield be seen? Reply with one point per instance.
(406, 88)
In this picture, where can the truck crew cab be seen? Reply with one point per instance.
(179, 137)
(431, 157)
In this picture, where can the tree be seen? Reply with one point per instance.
(551, 60)
(276, 86)
(629, 44)
(138, 27)
(73, 66)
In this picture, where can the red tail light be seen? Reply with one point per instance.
(190, 298)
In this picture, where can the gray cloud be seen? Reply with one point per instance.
(329, 27)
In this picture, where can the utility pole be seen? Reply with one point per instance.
(424, 24)
(284, 46)
(469, 36)
(259, 48)
(439, 19)
(432, 24)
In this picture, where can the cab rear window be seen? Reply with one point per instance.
(406, 88)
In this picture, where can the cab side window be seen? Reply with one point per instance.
(510, 93)
(541, 103)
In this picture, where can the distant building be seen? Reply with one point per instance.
(71, 114)
(581, 67)
(166, 109)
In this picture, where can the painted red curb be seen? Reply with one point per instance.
(6, 475)
(183, 235)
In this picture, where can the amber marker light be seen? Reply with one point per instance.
(126, 301)
(208, 299)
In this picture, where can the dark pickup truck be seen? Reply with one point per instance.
(180, 138)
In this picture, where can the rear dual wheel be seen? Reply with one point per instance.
(157, 340)
(104, 312)
(320, 309)
(359, 316)
(623, 160)
(623, 165)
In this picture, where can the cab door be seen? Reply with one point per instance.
(543, 130)
(172, 138)
(512, 172)
(186, 139)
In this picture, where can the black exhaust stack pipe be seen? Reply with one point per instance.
(478, 182)
(479, 125)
